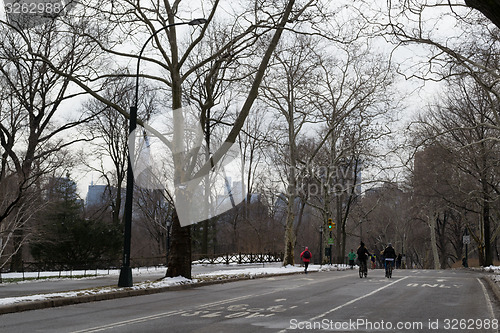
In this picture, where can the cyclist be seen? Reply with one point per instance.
(389, 255)
(363, 256)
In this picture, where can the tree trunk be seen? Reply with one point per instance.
(179, 261)
(488, 255)
(16, 263)
(340, 229)
(441, 227)
(289, 231)
(434, 248)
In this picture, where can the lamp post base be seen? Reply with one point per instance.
(125, 279)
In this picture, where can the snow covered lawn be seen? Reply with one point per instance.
(496, 272)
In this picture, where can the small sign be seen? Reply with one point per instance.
(330, 241)
(466, 239)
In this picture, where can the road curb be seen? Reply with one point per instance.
(128, 292)
(493, 286)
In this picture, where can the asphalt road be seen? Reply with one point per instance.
(412, 301)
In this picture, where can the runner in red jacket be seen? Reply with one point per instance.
(306, 258)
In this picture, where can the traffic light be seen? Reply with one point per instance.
(331, 224)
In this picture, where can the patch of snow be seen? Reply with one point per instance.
(80, 273)
(492, 269)
(166, 282)
(143, 285)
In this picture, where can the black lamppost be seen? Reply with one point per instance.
(320, 245)
(125, 279)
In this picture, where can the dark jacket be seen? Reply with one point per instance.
(389, 252)
(363, 253)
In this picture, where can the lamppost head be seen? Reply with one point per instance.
(198, 21)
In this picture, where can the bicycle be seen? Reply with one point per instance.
(388, 267)
(362, 269)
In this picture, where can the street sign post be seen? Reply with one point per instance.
(466, 239)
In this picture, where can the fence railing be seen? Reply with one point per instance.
(103, 267)
(237, 258)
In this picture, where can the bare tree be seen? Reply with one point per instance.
(351, 96)
(468, 48)
(109, 26)
(457, 41)
(286, 90)
(462, 126)
(31, 101)
(172, 62)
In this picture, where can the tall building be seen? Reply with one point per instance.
(97, 195)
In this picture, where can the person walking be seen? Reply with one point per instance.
(306, 258)
(398, 261)
(351, 256)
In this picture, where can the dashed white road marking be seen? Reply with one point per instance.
(200, 307)
(352, 301)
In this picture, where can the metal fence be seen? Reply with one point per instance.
(238, 258)
(94, 268)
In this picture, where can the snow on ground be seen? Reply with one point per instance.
(38, 277)
(492, 269)
(248, 272)
(253, 272)
(496, 272)
(168, 282)
(78, 273)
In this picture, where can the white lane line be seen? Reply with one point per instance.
(357, 299)
(165, 314)
(488, 301)
(127, 322)
(351, 301)
(161, 315)
(203, 306)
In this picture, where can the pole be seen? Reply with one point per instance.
(125, 279)
(320, 245)
(331, 249)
